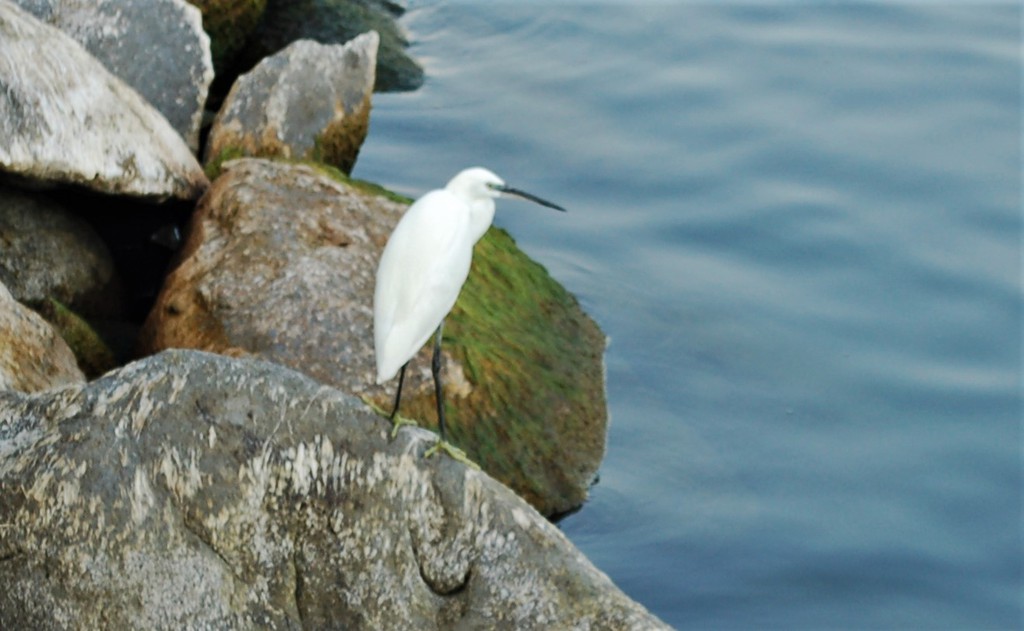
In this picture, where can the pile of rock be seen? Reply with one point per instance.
(190, 489)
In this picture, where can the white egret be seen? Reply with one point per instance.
(421, 272)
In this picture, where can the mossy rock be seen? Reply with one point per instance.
(536, 416)
(336, 22)
(93, 355)
(229, 24)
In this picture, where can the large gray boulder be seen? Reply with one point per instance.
(194, 491)
(309, 101)
(64, 118)
(158, 47)
(280, 262)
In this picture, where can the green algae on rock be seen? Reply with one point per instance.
(535, 416)
(92, 353)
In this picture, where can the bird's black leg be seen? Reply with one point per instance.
(443, 444)
(435, 368)
(397, 421)
(398, 395)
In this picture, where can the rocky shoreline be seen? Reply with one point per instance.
(187, 426)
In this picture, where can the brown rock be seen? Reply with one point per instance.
(33, 357)
(279, 262)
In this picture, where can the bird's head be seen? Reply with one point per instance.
(478, 183)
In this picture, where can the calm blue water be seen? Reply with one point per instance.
(801, 227)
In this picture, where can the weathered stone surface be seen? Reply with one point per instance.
(65, 119)
(336, 22)
(192, 491)
(308, 101)
(280, 262)
(47, 252)
(33, 356)
(158, 47)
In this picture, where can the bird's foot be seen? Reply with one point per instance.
(373, 406)
(451, 450)
(398, 422)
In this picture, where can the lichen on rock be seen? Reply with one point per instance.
(190, 491)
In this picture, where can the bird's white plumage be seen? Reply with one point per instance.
(425, 263)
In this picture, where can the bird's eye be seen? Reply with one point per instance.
(492, 185)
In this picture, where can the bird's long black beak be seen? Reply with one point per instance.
(533, 198)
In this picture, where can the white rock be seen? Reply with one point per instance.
(158, 47)
(65, 119)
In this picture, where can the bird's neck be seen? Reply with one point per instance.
(480, 218)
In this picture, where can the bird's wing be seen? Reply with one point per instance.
(419, 277)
